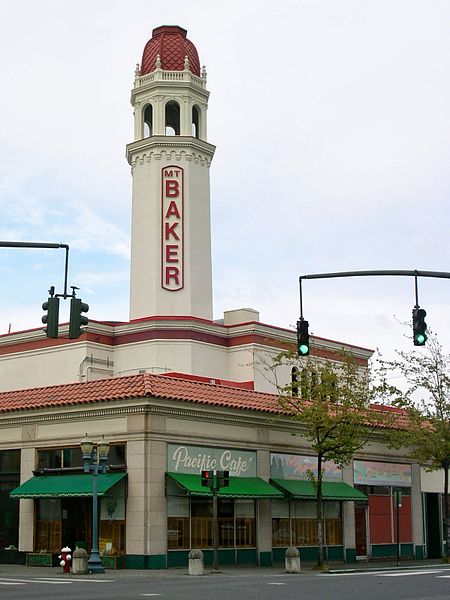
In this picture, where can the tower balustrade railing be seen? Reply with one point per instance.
(160, 75)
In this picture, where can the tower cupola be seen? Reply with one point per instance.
(170, 158)
(167, 50)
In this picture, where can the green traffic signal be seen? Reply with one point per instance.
(302, 337)
(52, 317)
(420, 339)
(419, 326)
(77, 319)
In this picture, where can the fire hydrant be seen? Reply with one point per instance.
(66, 559)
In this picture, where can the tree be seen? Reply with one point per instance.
(331, 400)
(426, 402)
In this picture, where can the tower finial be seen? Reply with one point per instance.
(137, 74)
(204, 72)
(187, 65)
(158, 62)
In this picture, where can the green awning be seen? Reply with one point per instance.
(331, 490)
(240, 487)
(60, 486)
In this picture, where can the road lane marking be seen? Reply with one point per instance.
(352, 573)
(275, 583)
(11, 583)
(407, 573)
(47, 581)
(383, 573)
(91, 580)
(14, 579)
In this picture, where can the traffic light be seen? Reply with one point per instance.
(51, 318)
(302, 337)
(207, 479)
(223, 479)
(77, 319)
(419, 326)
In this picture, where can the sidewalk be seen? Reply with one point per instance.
(226, 570)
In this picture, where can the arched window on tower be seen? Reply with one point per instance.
(195, 122)
(148, 121)
(172, 118)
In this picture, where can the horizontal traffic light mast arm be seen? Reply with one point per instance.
(396, 273)
(415, 273)
(43, 245)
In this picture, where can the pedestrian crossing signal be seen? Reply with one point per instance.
(207, 478)
(223, 479)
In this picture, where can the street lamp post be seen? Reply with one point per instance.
(95, 461)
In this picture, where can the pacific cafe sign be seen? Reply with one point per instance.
(172, 228)
(193, 459)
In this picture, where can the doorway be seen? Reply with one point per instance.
(361, 531)
(76, 522)
(433, 525)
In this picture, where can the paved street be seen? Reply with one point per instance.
(429, 583)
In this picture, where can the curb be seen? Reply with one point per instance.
(374, 569)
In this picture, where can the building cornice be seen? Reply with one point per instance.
(153, 329)
(155, 146)
(145, 406)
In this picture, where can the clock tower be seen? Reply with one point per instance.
(170, 160)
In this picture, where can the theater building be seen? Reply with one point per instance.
(163, 431)
(174, 391)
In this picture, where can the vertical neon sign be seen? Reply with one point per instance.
(172, 228)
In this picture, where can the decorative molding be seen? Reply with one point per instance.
(208, 413)
(147, 155)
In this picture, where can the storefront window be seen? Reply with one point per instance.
(177, 523)
(201, 523)
(333, 524)
(281, 534)
(244, 511)
(48, 525)
(304, 523)
(379, 481)
(49, 459)
(71, 458)
(112, 522)
(237, 526)
(67, 519)
(226, 524)
(296, 524)
(9, 507)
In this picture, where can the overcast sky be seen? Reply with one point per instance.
(331, 121)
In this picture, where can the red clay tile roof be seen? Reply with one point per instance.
(159, 386)
(137, 386)
(172, 46)
(399, 415)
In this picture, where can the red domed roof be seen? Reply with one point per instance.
(172, 46)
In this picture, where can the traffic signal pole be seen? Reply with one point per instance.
(215, 530)
(215, 480)
(395, 273)
(43, 245)
(51, 306)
